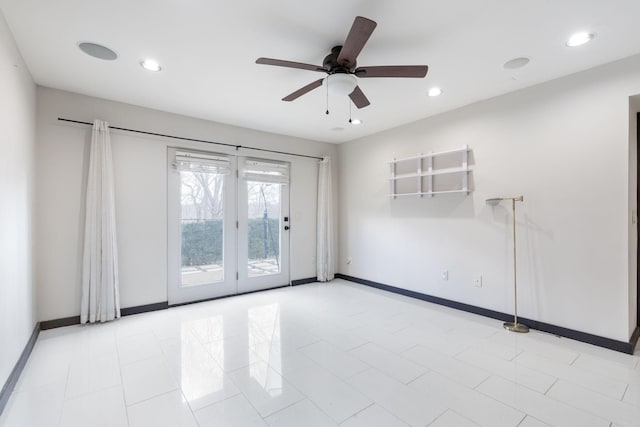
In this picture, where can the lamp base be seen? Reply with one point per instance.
(516, 327)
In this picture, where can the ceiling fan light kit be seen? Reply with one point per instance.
(340, 84)
(342, 70)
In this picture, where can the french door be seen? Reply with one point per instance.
(228, 222)
(263, 218)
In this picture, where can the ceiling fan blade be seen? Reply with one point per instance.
(358, 35)
(358, 98)
(290, 64)
(416, 71)
(308, 88)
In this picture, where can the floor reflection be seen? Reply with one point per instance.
(263, 325)
(200, 374)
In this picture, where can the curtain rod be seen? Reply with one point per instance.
(237, 147)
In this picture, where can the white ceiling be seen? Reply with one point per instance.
(208, 48)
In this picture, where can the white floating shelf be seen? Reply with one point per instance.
(428, 193)
(424, 173)
(432, 173)
(424, 156)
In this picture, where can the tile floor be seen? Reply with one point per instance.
(318, 355)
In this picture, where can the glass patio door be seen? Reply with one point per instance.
(228, 230)
(263, 224)
(201, 232)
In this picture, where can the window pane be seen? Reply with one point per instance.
(263, 228)
(202, 203)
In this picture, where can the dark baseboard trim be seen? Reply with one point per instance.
(128, 311)
(634, 339)
(59, 323)
(11, 382)
(144, 308)
(621, 346)
(304, 281)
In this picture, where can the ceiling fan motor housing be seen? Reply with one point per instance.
(330, 63)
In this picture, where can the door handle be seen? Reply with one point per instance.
(286, 227)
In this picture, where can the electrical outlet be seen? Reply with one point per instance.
(445, 275)
(478, 281)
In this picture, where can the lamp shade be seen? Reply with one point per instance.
(340, 84)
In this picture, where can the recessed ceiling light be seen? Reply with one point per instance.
(151, 65)
(578, 39)
(355, 121)
(516, 63)
(435, 91)
(97, 51)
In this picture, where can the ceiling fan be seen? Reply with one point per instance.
(341, 66)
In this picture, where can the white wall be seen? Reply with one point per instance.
(565, 146)
(17, 139)
(141, 194)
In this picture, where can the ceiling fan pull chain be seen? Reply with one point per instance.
(327, 112)
(349, 101)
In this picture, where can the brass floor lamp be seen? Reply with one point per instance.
(512, 326)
